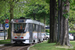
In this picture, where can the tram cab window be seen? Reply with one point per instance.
(19, 28)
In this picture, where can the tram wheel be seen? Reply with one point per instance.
(39, 41)
(33, 41)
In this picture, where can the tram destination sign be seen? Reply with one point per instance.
(19, 20)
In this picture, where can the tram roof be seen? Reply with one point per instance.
(28, 21)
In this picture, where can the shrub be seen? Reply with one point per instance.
(47, 30)
(71, 31)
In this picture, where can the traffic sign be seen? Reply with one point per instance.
(6, 21)
(6, 25)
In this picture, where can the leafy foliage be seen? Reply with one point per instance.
(47, 1)
(72, 14)
(37, 9)
(24, 8)
(66, 15)
(71, 31)
(4, 9)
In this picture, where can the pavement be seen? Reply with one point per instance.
(2, 44)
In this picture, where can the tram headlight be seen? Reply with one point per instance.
(15, 37)
(21, 37)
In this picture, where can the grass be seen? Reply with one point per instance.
(52, 46)
(5, 41)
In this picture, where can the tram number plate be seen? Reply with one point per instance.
(18, 37)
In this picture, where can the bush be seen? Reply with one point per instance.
(47, 30)
(71, 31)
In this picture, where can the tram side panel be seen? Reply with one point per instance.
(40, 33)
(37, 30)
(26, 35)
(35, 39)
(35, 34)
(31, 33)
(43, 32)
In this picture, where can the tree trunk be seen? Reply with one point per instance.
(44, 20)
(44, 23)
(52, 21)
(64, 37)
(55, 22)
(34, 17)
(11, 17)
(55, 30)
(60, 40)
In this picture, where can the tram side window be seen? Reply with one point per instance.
(19, 27)
(37, 28)
(34, 27)
(26, 28)
(30, 27)
(42, 30)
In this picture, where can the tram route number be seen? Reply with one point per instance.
(18, 37)
(19, 21)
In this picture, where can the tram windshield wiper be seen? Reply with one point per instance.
(19, 28)
(19, 31)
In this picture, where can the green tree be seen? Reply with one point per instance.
(37, 11)
(11, 2)
(71, 14)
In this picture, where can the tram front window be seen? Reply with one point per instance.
(19, 27)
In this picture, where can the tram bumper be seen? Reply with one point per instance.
(19, 40)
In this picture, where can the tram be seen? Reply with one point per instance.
(26, 31)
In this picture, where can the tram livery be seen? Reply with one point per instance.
(27, 31)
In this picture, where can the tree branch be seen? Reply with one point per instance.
(16, 1)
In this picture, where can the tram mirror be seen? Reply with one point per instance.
(24, 31)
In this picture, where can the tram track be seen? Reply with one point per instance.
(15, 47)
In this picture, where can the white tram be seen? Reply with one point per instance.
(26, 31)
